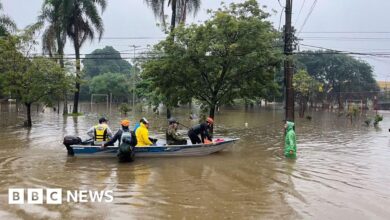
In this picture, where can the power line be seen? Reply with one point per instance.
(303, 4)
(341, 38)
(280, 21)
(132, 38)
(333, 51)
(281, 4)
(308, 15)
(345, 32)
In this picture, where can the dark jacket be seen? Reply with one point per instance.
(118, 136)
(202, 130)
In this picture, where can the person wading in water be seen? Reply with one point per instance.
(290, 145)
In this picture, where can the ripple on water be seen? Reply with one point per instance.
(338, 164)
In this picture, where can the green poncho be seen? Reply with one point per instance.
(290, 143)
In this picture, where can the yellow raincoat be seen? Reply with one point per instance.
(142, 135)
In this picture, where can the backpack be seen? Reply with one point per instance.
(126, 144)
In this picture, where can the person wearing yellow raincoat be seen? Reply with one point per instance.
(142, 134)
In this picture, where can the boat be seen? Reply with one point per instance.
(160, 149)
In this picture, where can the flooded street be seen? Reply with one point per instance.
(341, 171)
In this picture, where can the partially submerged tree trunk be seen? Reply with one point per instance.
(212, 115)
(78, 68)
(28, 107)
(61, 59)
(173, 19)
(302, 107)
(65, 111)
(168, 113)
(340, 102)
(173, 25)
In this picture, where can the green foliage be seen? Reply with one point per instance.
(377, 119)
(124, 108)
(82, 22)
(29, 80)
(116, 83)
(7, 25)
(304, 86)
(353, 110)
(38, 80)
(368, 121)
(179, 8)
(54, 35)
(230, 56)
(339, 73)
(106, 60)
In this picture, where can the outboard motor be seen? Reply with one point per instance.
(71, 140)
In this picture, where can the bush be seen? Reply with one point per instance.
(378, 118)
(124, 108)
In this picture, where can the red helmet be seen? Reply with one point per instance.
(210, 120)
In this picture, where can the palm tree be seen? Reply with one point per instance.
(179, 8)
(7, 25)
(82, 22)
(54, 36)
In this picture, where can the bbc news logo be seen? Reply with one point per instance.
(56, 196)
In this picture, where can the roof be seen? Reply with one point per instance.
(384, 84)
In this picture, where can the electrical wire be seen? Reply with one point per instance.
(281, 4)
(308, 15)
(300, 10)
(349, 38)
(345, 32)
(280, 21)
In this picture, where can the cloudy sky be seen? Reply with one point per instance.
(347, 25)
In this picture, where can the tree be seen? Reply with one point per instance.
(7, 25)
(106, 60)
(54, 35)
(342, 76)
(230, 56)
(82, 22)
(304, 85)
(115, 83)
(179, 8)
(28, 79)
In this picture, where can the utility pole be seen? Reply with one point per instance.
(288, 64)
(134, 74)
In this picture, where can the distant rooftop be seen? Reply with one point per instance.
(384, 85)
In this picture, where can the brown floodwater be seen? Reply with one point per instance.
(342, 170)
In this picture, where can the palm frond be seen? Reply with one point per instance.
(6, 23)
(157, 7)
(49, 41)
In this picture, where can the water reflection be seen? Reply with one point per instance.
(338, 164)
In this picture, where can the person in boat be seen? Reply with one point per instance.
(290, 147)
(100, 133)
(136, 126)
(127, 142)
(202, 130)
(142, 134)
(173, 137)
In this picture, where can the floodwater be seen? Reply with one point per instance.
(342, 171)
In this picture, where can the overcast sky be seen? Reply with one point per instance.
(132, 19)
